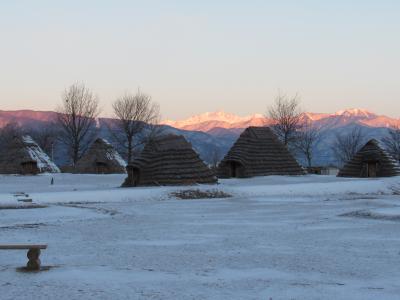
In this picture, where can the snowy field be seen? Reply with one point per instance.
(309, 237)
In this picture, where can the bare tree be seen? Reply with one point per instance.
(392, 142)
(286, 116)
(77, 119)
(8, 132)
(46, 137)
(307, 137)
(345, 146)
(215, 158)
(137, 117)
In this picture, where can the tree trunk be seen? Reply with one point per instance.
(130, 150)
(309, 160)
(75, 155)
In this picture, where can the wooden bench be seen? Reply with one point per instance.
(33, 254)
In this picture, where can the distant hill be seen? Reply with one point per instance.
(26, 117)
(205, 144)
(212, 134)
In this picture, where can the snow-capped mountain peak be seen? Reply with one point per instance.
(215, 117)
(355, 112)
(220, 119)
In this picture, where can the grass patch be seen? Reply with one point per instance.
(198, 194)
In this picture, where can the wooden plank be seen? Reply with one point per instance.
(22, 246)
(25, 200)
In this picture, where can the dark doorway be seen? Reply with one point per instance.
(235, 169)
(29, 167)
(101, 168)
(135, 176)
(371, 169)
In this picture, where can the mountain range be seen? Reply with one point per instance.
(211, 120)
(213, 133)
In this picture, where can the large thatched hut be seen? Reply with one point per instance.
(371, 161)
(24, 156)
(168, 160)
(258, 152)
(100, 158)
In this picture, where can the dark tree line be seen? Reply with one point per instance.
(293, 128)
(136, 117)
(45, 136)
(300, 135)
(76, 126)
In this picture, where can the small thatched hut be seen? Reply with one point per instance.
(101, 158)
(169, 160)
(258, 152)
(24, 156)
(371, 161)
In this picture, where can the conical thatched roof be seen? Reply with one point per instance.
(101, 158)
(24, 156)
(169, 160)
(258, 152)
(371, 161)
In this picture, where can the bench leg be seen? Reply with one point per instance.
(34, 261)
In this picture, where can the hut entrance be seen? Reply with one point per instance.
(135, 176)
(371, 169)
(101, 167)
(29, 167)
(235, 169)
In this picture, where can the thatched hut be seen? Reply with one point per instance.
(100, 158)
(258, 152)
(24, 156)
(371, 161)
(168, 160)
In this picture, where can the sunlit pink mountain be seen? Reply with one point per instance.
(25, 117)
(217, 131)
(211, 120)
(207, 121)
(214, 121)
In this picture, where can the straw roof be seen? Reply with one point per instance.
(169, 160)
(371, 161)
(24, 156)
(258, 152)
(101, 158)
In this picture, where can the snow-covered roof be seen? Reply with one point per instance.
(114, 155)
(101, 152)
(44, 163)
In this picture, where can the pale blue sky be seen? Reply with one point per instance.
(196, 56)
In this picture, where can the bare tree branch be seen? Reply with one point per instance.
(307, 137)
(216, 157)
(46, 137)
(77, 119)
(137, 117)
(8, 132)
(286, 116)
(347, 145)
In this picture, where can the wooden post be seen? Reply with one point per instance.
(34, 261)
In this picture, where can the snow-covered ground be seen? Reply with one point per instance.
(309, 237)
